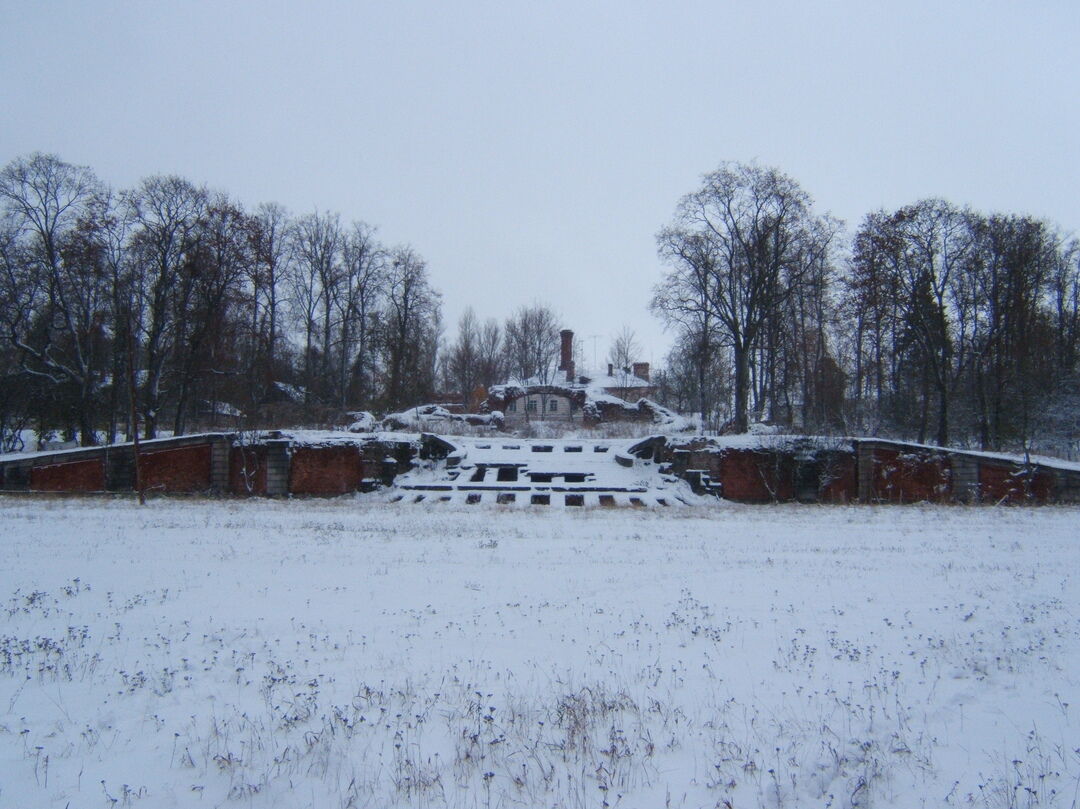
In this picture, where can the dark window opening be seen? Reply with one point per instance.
(473, 498)
(506, 498)
(575, 499)
(507, 474)
(541, 500)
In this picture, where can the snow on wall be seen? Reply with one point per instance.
(1006, 484)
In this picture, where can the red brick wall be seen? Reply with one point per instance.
(1005, 483)
(759, 476)
(73, 476)
(325, 470)
(844, 488)
(185, 469)
(911, 477)
(247, 470)
(756, 477)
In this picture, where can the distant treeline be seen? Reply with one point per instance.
(172, 302)
(934, 323)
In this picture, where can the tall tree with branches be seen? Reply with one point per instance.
(736, 247)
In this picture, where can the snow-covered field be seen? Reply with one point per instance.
(356, 653)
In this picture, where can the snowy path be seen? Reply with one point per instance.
(354, 653)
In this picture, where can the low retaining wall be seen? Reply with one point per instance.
(70, 476)
(892, 472)
(217, 463)
(325, 470)
(193, 463)
(866, 470)
(802, 470)
(775, 470)
(179, 469)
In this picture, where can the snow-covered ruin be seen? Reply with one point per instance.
(659, 470)
(563, 472)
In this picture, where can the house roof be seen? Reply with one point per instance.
(624, 380)
(584, 380)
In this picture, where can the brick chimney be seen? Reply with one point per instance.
(566, 354)
(641, 370)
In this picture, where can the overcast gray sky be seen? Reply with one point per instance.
(531, 150)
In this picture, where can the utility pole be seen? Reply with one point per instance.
(594, 338)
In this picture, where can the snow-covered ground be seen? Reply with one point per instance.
(357, 653)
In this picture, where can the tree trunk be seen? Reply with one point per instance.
(943, 415)
(742, 387)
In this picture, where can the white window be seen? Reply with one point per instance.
(512, 407)
(553, 405)
(531, 405)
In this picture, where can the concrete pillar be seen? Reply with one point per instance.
(120, 468)
(864, 451)
(965, 477)
(220, 448)
(277, 467)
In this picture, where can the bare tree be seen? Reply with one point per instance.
(363, 276)
(220, 258)
(410, 330)
(57, 289)
(492, 364)
(531, 338)
(166, 212)
(317, 242)
(682, 300)
(696, 377)
(267, 273)
(736, 247)
(16, 385)
(624, 351)
(463, 358)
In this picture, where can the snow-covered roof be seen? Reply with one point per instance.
(593, 384)
(617, 380)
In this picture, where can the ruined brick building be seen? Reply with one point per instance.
(572, 396)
